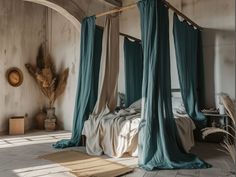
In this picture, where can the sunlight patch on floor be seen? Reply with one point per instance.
(14, 141)
(42, 170)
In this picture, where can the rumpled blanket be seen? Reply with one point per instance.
(116, 134)
(185, 127)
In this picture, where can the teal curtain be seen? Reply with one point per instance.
(186, 47)
(86, 96)
(133, 57)
(159, 143)
(96, 66)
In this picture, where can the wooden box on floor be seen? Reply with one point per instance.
(17, 125)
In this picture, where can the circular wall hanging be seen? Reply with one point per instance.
(14, 76)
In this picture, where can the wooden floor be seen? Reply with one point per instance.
(19, 158)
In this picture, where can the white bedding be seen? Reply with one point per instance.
(116, 134)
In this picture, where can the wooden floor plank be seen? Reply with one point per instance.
(167, 173)
(137, 173)
(189, 173)
(151, 174)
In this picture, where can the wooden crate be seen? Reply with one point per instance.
(17, 125)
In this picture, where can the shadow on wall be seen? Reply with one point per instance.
(219, 63)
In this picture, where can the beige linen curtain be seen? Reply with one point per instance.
(107, 88)
(109, 68)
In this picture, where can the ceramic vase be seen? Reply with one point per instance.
(50, 122)
(40, 118)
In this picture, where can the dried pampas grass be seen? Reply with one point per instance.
(62, 81)
(230, 107)
(227, 145)
(51, 84)
(229, 149)
(210, 130)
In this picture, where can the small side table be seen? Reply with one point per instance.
(218, 121)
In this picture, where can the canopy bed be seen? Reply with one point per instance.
(147, 127)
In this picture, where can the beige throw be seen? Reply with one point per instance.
(185, 127)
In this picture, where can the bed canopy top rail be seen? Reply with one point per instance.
(130, 37)
(125, 35)
(167, 4)
(116, 10)
(181, 14)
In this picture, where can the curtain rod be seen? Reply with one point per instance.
(181, 14)
(167, 4)
(125, 35)
(117, 10)
(130, 37)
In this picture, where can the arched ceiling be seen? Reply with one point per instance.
(76, 10)
(67, 8)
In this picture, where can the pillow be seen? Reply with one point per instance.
(136, 105)
(178, 106)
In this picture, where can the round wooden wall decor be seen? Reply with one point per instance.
(14, 76)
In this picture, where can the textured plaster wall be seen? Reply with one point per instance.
(64, 46)
(22, 29)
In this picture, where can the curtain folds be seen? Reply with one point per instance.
(96, 141)
(86, 96)
(159, 143)
(133, 57)
(109, 69)
(186, 40)
(95, 67)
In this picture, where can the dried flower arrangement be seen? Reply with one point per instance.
(50, 83)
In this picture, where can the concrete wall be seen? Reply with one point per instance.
(64, 46)
(22, 30)
(219, 55)
(218, 19)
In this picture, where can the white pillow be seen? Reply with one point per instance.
(136, 105)
(178, 105)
